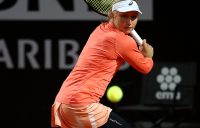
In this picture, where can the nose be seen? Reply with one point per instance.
(128, 21)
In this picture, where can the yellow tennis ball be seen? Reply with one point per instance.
(114, 94)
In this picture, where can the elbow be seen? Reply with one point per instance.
(144, 66)
(148, 67)
(146, 71)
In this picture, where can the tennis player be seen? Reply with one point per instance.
(77, 104)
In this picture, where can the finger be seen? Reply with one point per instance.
(144, 41)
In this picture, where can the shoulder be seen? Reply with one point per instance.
(125, 42)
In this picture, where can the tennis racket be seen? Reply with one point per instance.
(102, 7)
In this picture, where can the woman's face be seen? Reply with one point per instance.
(125, 21)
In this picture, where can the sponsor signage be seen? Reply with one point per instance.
(58, 10)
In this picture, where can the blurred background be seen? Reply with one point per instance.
(40, 41)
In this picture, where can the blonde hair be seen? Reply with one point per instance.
(110, 13)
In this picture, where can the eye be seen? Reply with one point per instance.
(124, 16)
(133, 17)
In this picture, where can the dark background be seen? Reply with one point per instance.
(27, 94)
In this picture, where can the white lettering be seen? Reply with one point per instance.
(4, 55)
(30, 55)
(39, 55)
(167, 95)
(48, 54)
(73, 53)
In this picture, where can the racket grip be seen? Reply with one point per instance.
(136, 37)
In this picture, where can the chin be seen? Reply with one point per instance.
(127, 32)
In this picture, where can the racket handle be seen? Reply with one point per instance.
(136, 37)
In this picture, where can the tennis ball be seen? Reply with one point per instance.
(114, 94)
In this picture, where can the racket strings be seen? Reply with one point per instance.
(101, 6)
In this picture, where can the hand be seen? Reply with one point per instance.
(146, 49)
